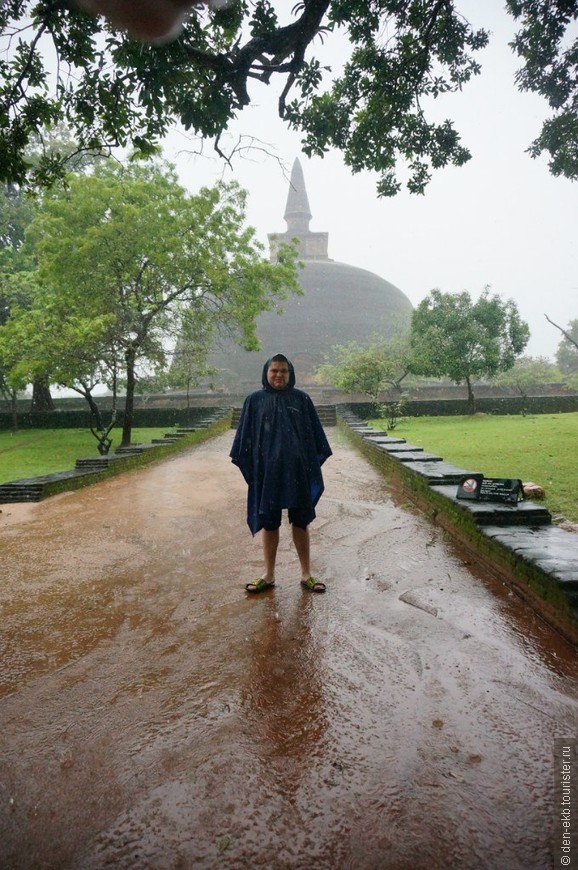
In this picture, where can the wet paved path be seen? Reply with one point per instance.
(152, 715)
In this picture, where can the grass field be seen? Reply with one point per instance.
(33, 452)
(542, 448)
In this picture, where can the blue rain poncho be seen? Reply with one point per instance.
(280, 447)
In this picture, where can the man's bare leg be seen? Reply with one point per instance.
(301, 541)
(270, 545)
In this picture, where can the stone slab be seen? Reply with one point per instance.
(99, 461)
(564, 572)
(366, 430)
(440, 472)
(378, 438)
(401, 446)
(549, 539)
(552, 549)
(33, 489)
(526, 513)
(416, 455)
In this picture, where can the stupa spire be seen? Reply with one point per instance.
(297, 211)
(312, 246)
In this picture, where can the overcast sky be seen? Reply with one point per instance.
(502, 220)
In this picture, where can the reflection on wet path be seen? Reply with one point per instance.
(153, 715)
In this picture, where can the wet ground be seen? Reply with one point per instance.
(153, 715)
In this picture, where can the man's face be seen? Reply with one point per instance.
(278, 375)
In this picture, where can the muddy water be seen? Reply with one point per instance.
(152, 715)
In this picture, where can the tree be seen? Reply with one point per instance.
(77, 352)
(17, 211)
(125, 258)
(116, 91)
(17, 290)
(528, 373)
(453, 337)
(189, 363)
(548, 45)
(567, 353)
(371, 369)
(368, 369)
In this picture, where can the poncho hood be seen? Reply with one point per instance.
(266, 383)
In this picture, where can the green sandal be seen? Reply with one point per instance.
(259, 585)
(313, 584)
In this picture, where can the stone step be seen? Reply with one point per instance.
(551, 548)
(326, 413)
(393, 446)
(33, 489)
(418, 455)
(97, 461)
(525, 513)
(208, 421)
(383, 439)
(441, 472)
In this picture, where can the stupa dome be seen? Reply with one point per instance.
(340, 303)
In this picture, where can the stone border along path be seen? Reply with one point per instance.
(96, 468)
(519, 542)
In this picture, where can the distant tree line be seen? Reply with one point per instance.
(451, 336)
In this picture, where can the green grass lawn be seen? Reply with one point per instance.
(32, 452)
(542, 448)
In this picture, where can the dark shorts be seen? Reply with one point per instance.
(297, 517)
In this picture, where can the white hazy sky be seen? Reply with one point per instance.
(502, 220)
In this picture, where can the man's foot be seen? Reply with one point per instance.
(313, 585)
(259, 585)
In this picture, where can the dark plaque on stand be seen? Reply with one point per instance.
(476, 487)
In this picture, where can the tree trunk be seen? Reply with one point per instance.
(41, 397)
(471, 398)
(188, 417)
(94, 410)
(14, 410)
(129, 403)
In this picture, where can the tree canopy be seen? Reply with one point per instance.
(369, 369)
(454, 337)
(59, 63)
(125, 260)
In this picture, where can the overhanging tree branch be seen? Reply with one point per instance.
(566, 334)
(113, 90)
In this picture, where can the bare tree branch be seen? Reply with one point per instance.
(566, 335)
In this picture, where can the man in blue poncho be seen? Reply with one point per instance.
(280, 447)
